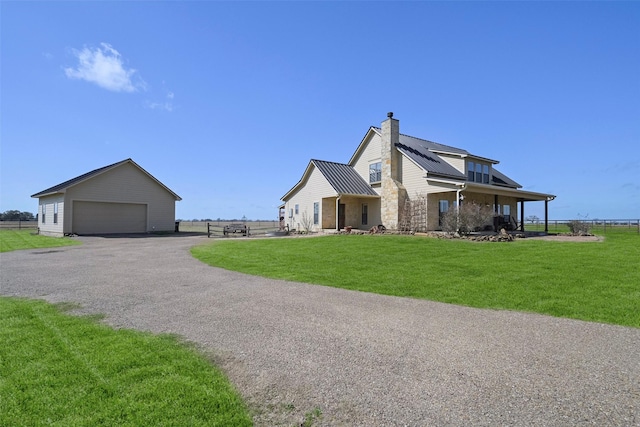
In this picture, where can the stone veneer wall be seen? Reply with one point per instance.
(393, 193)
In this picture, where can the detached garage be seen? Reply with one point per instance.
(119, 198)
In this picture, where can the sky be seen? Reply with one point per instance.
(226, 102)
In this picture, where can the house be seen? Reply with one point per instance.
(390, 172)
(119, 198)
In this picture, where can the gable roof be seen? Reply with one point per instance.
(62, 187)
(343, 179)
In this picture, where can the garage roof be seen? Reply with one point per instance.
(61, 188)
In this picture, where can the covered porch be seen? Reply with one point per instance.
(508, 204)
(349, 210)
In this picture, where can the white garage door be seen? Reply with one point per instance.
(108, 218)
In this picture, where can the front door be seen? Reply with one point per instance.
(341, 210)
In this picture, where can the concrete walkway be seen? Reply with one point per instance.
(360, 359)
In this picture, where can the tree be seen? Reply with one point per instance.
(533, 219)
(15, 215)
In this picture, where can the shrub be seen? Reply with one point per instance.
(579, 227)
(469, 217)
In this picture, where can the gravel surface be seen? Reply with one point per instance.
(343, 357)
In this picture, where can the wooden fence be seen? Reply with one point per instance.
(18, 225)
(216, 228)
(595, 225)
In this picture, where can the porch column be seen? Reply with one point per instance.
(338, 213)
(546, 216)
(522, 214)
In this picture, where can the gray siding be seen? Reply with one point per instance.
(128, 184)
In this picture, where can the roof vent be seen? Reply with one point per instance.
(390, 114)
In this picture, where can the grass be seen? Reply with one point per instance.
(12, 240)
(597, 281)
(57, 369)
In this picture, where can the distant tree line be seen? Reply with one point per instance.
(14, 215)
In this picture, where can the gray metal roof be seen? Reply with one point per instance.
(419, 150)
(73, 181)
(344, 179)
(499, 178)
(430, 145)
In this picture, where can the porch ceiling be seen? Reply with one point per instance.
(527, 196)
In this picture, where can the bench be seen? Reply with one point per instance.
(236, 228)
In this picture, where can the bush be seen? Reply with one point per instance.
(470, 217)
(579, 227)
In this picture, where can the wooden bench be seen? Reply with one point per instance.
(236, 228)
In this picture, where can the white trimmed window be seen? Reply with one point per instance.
(375, 172)
(316, 213)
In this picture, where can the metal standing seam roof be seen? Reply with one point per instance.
(501, 179)
(419, 150)
(344, 179)
(84, 177)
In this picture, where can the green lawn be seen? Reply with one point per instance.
(598, 281)
(63, 370)
(11, 240)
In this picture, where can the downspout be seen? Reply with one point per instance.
(458, 195)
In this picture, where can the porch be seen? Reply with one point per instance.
(507, 204)
(357, 212)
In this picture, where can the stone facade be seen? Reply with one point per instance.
(393, 193)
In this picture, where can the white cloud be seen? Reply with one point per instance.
(167, 105)
(104, 66)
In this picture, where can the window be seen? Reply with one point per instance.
(478, 172)
(290, 213)
(55, 213)
(375, 172)
(470, 171)
(365, 214)
(297, 209)
(316, 212)
(506, 210)
(44, 213)
(485, 174)
(443, 207)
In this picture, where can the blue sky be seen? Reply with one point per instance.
(226, 102)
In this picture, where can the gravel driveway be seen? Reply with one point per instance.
(358, 359)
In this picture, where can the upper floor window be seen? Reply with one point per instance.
(375, 172)
(471, 169)
(477, 172)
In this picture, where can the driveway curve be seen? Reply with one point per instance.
(347, 358)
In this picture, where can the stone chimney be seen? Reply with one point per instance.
(393, 192)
